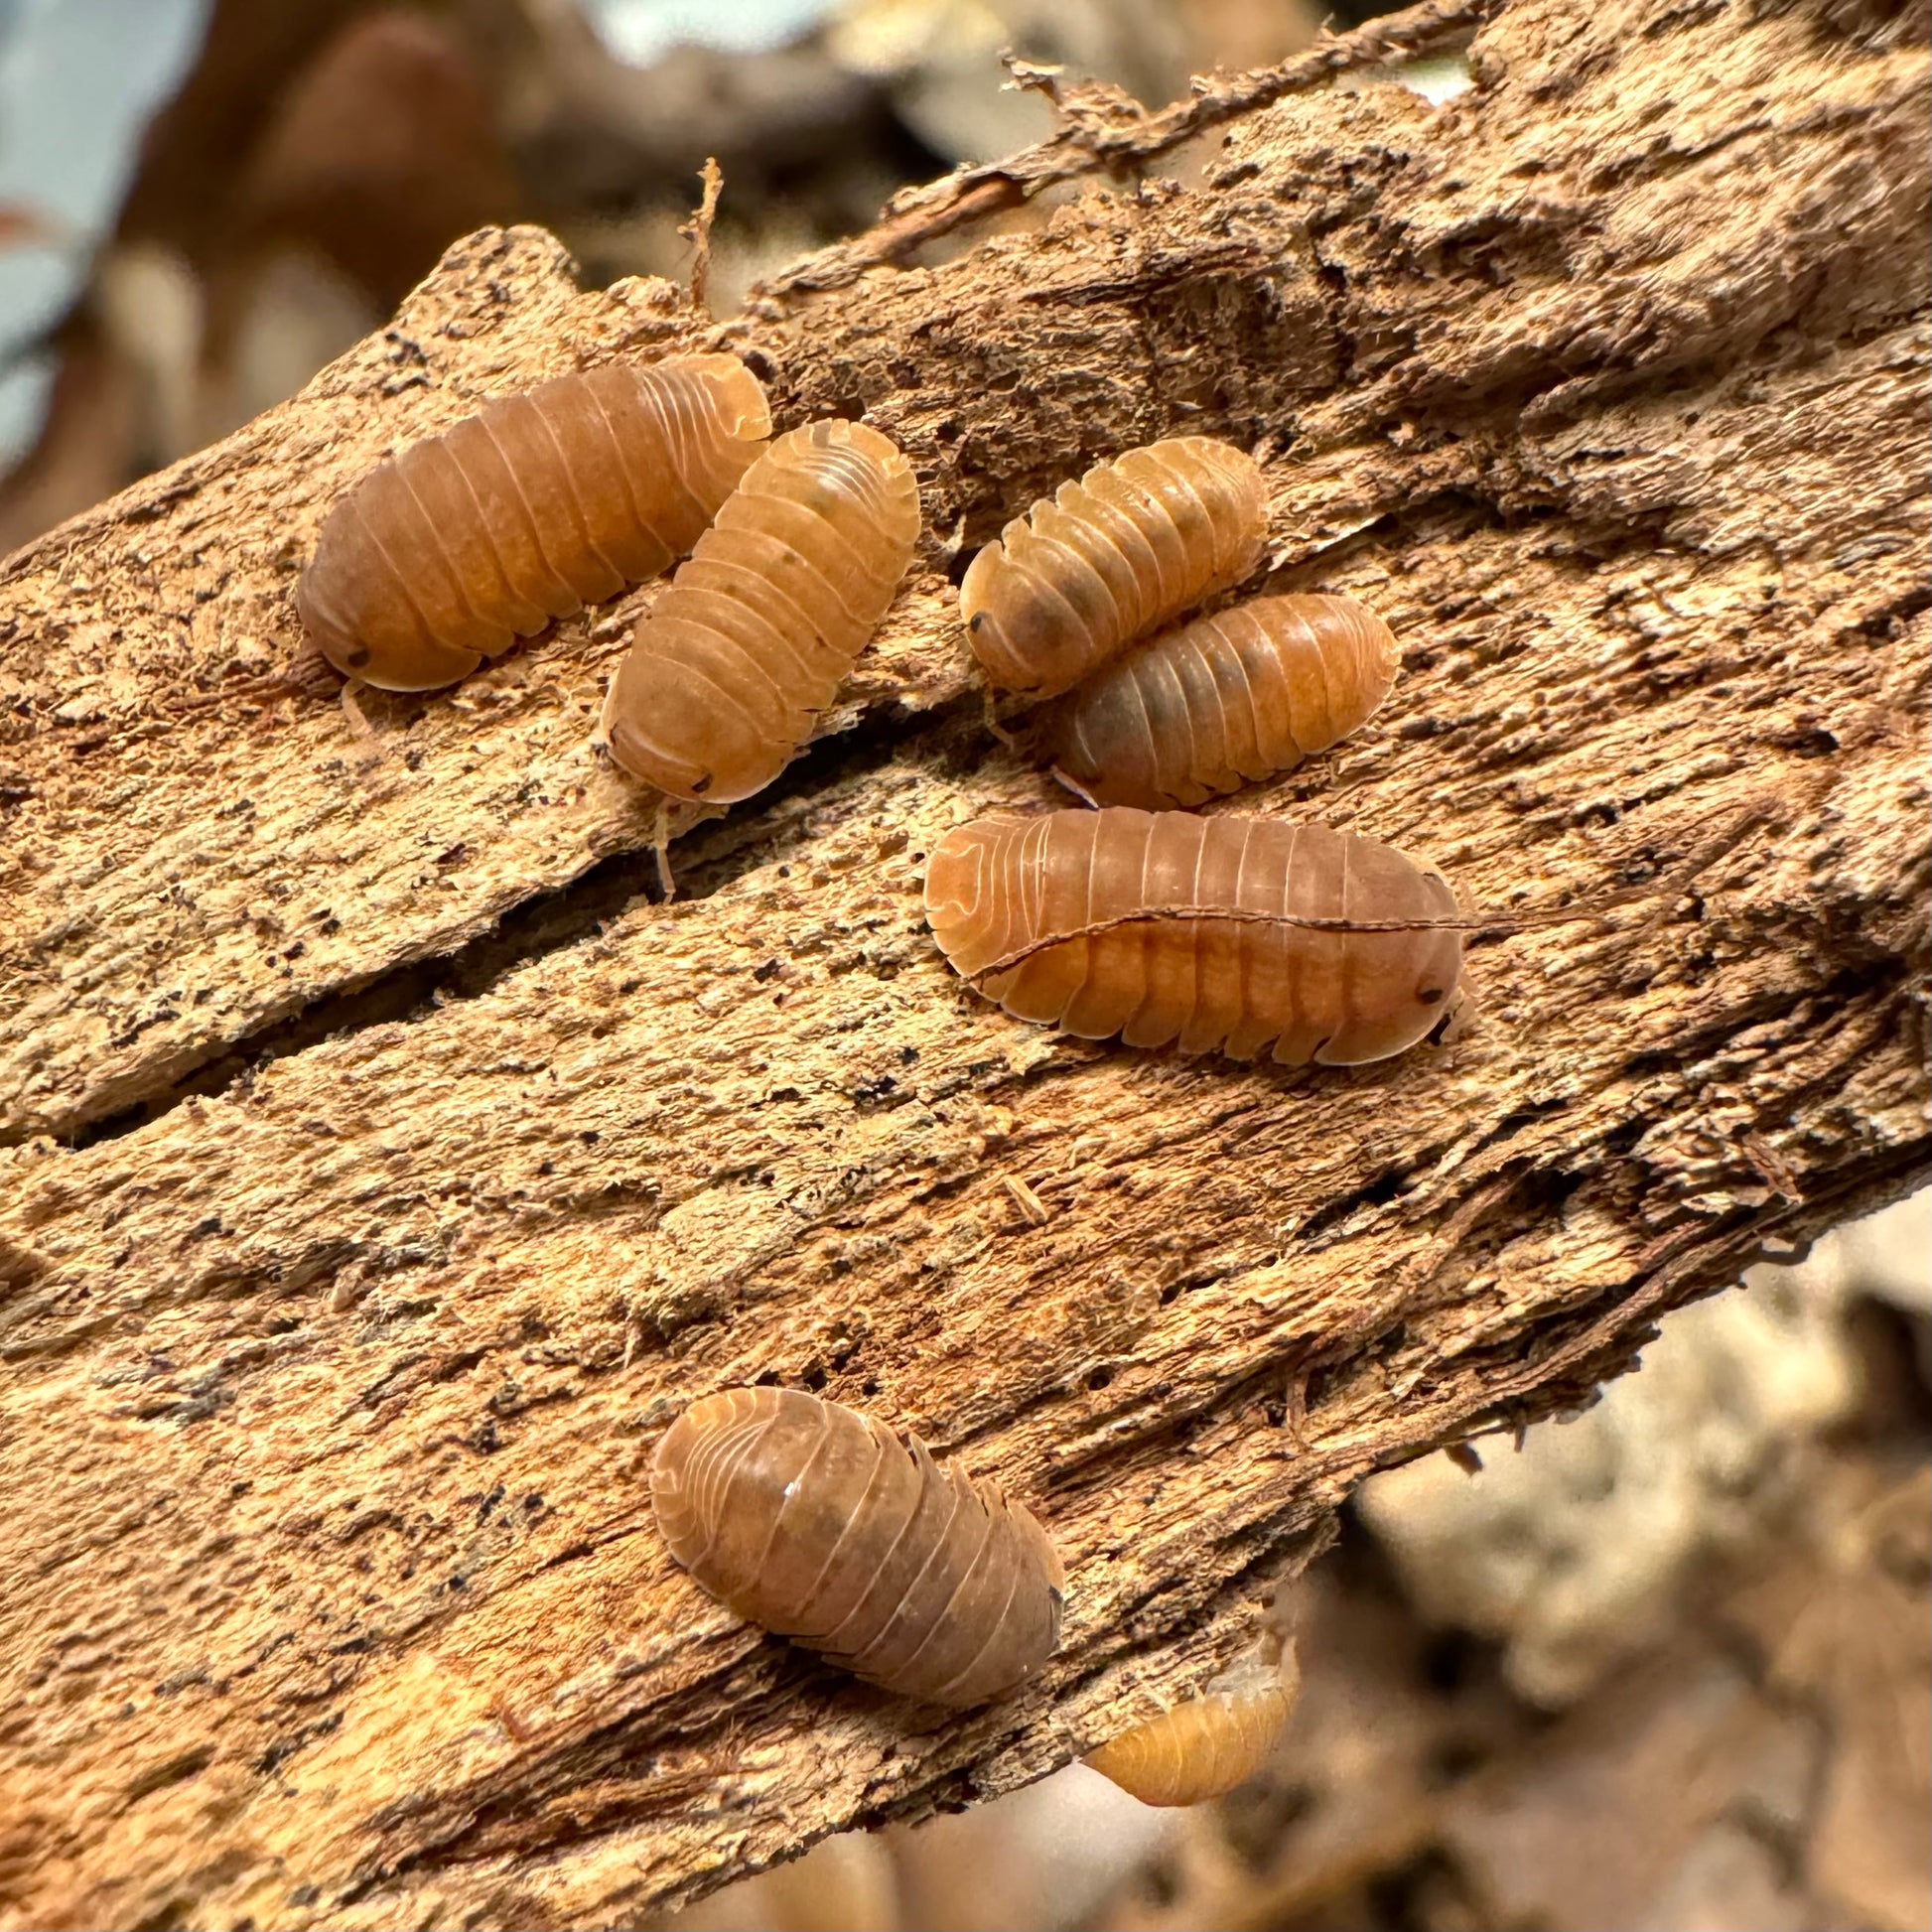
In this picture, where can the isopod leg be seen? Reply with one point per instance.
(1464, 1012)
(1009, 738)
(661, 845)
(359, 723)
(600, 735)
(1076, 789)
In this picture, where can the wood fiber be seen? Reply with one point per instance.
(1135, 543)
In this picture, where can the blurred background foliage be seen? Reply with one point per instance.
(201, 201)
(1666, 1665)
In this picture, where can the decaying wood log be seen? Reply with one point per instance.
(387, 1167)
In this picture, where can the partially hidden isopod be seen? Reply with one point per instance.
(1134, 543)
(816, 1522)
(1222, 702)
(1114, 912)
(755, 633)
(1204, 1747)
(538, 505)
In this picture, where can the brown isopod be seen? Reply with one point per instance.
(1134, 543)
(756, 631)
(538, 505)
(1223, 701)
(1204, 1747)
(1229, 935)
(815, 1521)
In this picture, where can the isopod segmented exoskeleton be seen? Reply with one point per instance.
(1106, 923)
(1222, 702)
(1134, 543)
(816, 1522)
(540, 503)
(755, 633)
(1204, 1748)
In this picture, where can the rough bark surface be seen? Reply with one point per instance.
(388, 1168)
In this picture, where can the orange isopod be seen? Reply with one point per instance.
(752, 639)
(1204, 1747)
(538, 505)
(1222, 702)
(815, 1521)
(1098, 903)
(1134, 543)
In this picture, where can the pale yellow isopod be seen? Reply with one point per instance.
(1204, 1747)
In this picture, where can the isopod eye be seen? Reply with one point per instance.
(699, 787)
(357, 656)
(978, 618)
(1428, 995)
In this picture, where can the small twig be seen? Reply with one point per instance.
(697, 230)
(971, 194)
